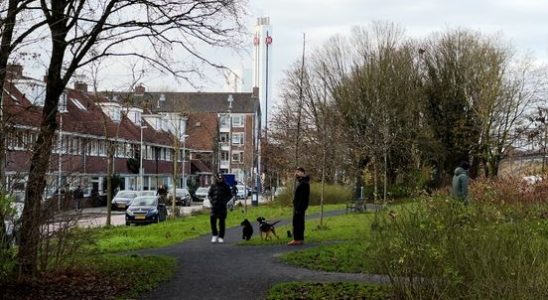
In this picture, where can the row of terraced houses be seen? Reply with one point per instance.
(203, 132)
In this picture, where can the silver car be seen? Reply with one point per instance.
(202, 193)
(123, 199)
(146, 193)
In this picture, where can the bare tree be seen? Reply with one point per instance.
(107, 27)
(11, 16)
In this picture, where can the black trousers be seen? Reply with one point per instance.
(214, 216)
(298, 226)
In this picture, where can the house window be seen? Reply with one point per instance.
(238, 157)
(101, 148)
(116, 116)
(225, 121)
(238, 138)
(223, 137)
(238, 121)
(75, 145)
(224, 155)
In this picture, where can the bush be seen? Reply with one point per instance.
(333, 194)
(7, 249)
(441, 248)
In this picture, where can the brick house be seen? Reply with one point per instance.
(88, 124)
(217, 144)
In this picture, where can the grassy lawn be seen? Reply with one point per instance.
(347, 227)
(127, 238)
(340, 290)
(348, 253)
(95, 277)
(139, 274)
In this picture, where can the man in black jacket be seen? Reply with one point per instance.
(219, 195)
(300, 204)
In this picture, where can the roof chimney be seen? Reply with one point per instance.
(14, 71)
(255, 92)
(140, 90)
(81, 86)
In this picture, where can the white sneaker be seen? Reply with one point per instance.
(214, 239)
(220, 240)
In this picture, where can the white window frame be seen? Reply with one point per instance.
(238, 121)
(224, 155)
(223, 134)
(240, 157)
(240, 138)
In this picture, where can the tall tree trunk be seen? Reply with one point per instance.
(175, 159)
(375, 180)
(30, 228)
(385, 183)
(32, 219)
(324, 162)
(5, 51)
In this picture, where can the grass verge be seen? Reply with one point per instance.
(339, 290)
(140, 274)
(340, 228)
(128, 238)
(96, 277)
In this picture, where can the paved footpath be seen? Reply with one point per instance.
(228, 271)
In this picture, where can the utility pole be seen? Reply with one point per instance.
(299, 113)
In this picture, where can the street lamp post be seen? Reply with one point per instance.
(141, 169)
(184, 160)
(230, 100)
(60, 143)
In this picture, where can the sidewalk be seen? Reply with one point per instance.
(97, 216)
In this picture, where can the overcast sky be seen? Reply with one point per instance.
(524, 23)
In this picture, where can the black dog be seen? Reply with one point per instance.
(267, 228)
(247, 231)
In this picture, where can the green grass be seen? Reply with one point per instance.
(340, 290)
(348, 254)
(340, 228)
(139, 274)
(349, 257)
(127, 238)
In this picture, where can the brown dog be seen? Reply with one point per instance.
(267, 228)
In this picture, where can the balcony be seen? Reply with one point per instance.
(224, 127)
(224, 164)
(224, 146)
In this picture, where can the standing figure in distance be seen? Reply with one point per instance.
(219, 195)
(300, 204)
(460, 182)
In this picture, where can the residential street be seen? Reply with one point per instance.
(97, 216)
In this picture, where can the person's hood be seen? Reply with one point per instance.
(460, 171)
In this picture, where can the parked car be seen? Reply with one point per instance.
(146, 210)
(182, 197)
(123, 199)
(146, 193)
(201, 193)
